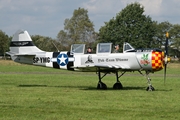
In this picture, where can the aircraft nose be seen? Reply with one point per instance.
(169, 59)
(165, 59)
(157, 61)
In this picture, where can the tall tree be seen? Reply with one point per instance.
(129, 25)
(162, 28)
(4, 43)
(77, 29)
(175, 43)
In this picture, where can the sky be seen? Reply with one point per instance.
(46, 17)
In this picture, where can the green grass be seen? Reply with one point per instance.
(32, 92)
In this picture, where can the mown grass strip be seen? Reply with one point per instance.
(32, 92)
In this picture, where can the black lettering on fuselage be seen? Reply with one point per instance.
(100, 60)
(35, 60)
(112, 60)
(41, 59)
(119, 59)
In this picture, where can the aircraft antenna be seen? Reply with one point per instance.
(55, 46)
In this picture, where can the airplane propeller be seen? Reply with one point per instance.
(166, 56)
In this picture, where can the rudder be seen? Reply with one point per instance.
(22, 44)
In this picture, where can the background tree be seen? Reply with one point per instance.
(78, 29)
(130, 25)
(175, 40)
(44, 43)
(64, 43)
(162, 28)
(4, 43)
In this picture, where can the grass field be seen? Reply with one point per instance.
(39, 93)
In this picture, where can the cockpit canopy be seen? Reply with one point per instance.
(105, 48)
(127, 48)
(78, 48)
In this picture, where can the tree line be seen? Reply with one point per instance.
(129, 25)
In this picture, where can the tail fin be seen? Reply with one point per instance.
(22, 44)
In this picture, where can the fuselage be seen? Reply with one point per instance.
(149, 60)
(23, 50)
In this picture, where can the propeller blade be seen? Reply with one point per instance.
(166, 44)
(166, 56)
(165, 65)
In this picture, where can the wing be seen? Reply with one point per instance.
(113, 66)
(24, 54)
(103, 67)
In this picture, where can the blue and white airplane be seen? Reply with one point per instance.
(23, 50)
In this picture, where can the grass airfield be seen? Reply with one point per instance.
(33, 92)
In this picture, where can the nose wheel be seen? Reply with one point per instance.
(150, 87)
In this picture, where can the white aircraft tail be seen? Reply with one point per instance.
(22, 44)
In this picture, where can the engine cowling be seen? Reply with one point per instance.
(151, 60)
(157, 60)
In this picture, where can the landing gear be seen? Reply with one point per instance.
(150, 87)
(118, 84)
(103, 86)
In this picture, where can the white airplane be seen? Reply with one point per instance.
(22, 50)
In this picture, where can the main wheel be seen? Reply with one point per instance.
(117, 85)
(101, 86)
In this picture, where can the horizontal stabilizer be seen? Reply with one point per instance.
(16, 54)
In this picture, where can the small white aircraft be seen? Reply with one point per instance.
(22, 50)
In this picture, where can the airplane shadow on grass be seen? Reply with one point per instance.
(124, 88)
(90, 87)
(33, 85)
(80, 87)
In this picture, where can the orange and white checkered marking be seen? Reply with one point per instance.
(157, 60)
